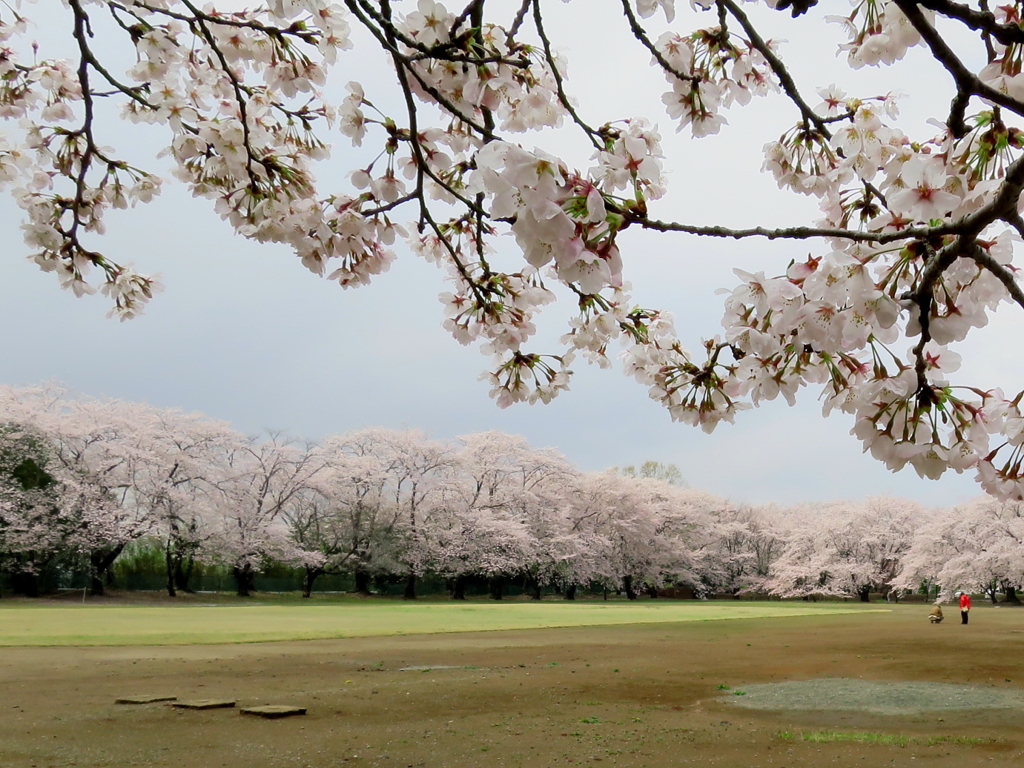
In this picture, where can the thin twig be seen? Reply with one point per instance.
(641, 34)
(1005, 275)
(559, 84)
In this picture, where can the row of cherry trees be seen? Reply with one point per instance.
(82, 478)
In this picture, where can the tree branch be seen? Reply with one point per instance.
(641, 34)
(967, 83)
(778, 67)
(1004, 273)
(984, 20)
(559, 84)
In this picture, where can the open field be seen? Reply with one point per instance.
(641, 694)
(70, 624)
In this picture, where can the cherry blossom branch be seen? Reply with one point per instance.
(984, 20)
(517, 22)
(641, 34)
(778, 67)
(236, 85)
(422, 168)
(788, 233)
(1001, 271)
(559, 84)
(390, 206)
(81, 32)
(296, 30)
(937, 263)
(441, 51)
(472, 7)
(394, 51)
(967, 83)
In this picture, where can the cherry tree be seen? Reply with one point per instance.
(263, 476)
(913, 249)
(529, 486)
(633, 516)
(95, 442)
(742, 547)
(974, 547)
(492, 513)
(846, 548)
(418, 469)
(176, 460)
(150, 470)
(364, 512)
(48, 515)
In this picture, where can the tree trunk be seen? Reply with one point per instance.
(169, 562)
(864, 593)
(362, 583)
(495, 585)
(458, 588)
(101, 560)
(627, 584)
(991, 589)
(307, 580)
(651, 590)
(533, 588)
(25, 583)
(245, 580)
(410, 587)
(570, 592)
(1011, 595)
(183, 573)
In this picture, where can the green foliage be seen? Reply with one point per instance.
(667, 473)
(23, 458)
(888, 739)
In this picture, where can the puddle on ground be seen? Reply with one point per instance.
(875, 696)
(427, 667)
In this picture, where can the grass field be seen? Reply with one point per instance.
(666, 689)
(64, 624)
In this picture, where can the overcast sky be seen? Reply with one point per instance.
(244, 333)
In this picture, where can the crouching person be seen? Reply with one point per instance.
(935, 615)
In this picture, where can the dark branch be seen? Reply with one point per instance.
(778, 67)
(1005, 275)
(641, 34)
(982, 21)
(967, 83)
(559, 84)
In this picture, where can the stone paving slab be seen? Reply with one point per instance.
(273, 711)
(144, 699)
(204, 704)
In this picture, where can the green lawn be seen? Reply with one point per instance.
(186, 625)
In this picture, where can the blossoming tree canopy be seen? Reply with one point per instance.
(913, 248)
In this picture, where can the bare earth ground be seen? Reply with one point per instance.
(642, 695)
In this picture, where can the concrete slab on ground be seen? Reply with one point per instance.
(204, 704)
(273, 711)
(144, 699)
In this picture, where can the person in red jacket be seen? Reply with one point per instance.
(965, 606)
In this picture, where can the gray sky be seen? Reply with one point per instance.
(244, 333)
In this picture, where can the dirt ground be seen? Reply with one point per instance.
(652, 695)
